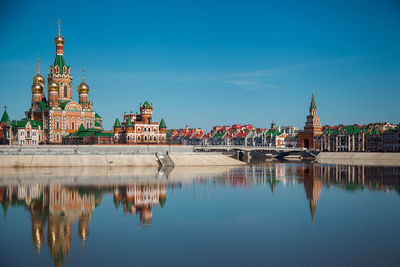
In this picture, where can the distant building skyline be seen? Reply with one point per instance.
(205, 64)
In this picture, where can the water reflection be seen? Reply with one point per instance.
(61, 205)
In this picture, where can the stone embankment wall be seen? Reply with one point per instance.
(359, 158)
(111, 156)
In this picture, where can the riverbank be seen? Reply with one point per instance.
(359, 158)
(109, 156)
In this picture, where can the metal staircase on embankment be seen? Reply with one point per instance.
(164, 160)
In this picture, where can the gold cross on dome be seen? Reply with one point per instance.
(59, 26)
(38, 66)
(83, 74)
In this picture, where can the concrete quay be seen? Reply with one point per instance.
(359, 158)
(109, 156)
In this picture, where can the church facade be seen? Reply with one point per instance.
(58, 115)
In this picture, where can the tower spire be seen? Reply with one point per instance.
(83, 75)
(59, 27)
(313, 106)
(38, 66)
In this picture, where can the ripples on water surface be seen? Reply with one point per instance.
(262, 214)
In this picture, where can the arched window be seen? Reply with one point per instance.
(58, 123)
(65, 91)
(65, 70)
(145, 138)
(57, 69)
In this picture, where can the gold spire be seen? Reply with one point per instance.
(38, 66)
(59, 27)
(83, 75)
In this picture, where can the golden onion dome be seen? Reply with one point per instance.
(53, 86)
(83, 87)
(37, 88)
(38, 79)
(59, 40)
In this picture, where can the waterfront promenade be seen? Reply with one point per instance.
(110, 156)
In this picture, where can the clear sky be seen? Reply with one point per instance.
(205, 63)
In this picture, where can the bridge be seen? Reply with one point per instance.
(249, 148)
(245, 153)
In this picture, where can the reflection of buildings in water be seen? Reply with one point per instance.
(358, 177)
(312, 186)
(140, 198)
(60, 206)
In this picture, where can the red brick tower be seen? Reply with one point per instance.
(59, 71)
(312, 127)
(146, 111)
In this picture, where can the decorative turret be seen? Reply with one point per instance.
(83, 90)
(53, 89)
(146, 111)
(163, 126)
(129, 123)
(59, 71)
(117, 124)
(5, 118)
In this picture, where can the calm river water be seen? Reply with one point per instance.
(260, 214)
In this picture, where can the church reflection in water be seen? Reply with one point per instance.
(62, 205)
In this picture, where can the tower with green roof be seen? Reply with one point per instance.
(5, 118)
(60, 71)
(163, 127)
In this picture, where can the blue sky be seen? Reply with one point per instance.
(205, 63)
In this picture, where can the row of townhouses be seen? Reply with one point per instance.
(235, 135)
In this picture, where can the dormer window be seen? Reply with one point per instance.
(57, 69)
(65, 70)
